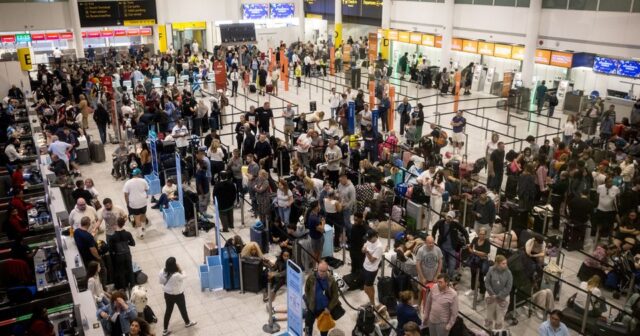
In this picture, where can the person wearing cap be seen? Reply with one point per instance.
(135, 196)
(449, 240)
(372, 251)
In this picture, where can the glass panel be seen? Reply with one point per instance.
(591, 5)
(636, 6)
(556, 4)
(615, 5)
(523, 3)
(505, 3)
(463, 1)
(483, 2)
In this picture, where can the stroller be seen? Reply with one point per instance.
(620, 278)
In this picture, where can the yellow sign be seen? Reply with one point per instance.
(416, 38)
(162, 38)
(313, 16)
(404, 36)
(139, 22)
(338, 35)
(517, 53)
(393, 35)
(189, 25)
(24, 55)
(428, 40)
(384, 44)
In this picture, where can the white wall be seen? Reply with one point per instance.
(10, 74)
(587, 80)
(198, 10)
(34, 16)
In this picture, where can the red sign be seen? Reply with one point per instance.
(106, 33)
(8, 39)
(120, 32)
(93, 34)
(132, 32)
(66, 36)
(145, 31)
(37, 37)
(107, 83)
(220, 75)
(438, 41)
(52, 36)
(84, 35)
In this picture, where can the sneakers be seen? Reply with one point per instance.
(166, 332)
(190, 324)
(468, 293)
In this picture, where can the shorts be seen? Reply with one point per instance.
(139, 211)
(369, 277)
(458, 137)
(317, 245)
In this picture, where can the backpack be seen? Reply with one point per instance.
(553, 101)
(190, 228)
(365, 322)
(441, 141)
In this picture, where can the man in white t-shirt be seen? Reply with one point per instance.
(372, 250)
(110, 214)
(57, 56)
(334, 102)
(367, 117)
(607, 208)
(180, 133)
(302, 148)
(135, 196)
(83, 210)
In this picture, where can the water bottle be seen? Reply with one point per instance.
(77, 260)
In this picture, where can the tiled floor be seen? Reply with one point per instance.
(233, 313)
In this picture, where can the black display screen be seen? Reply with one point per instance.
(117, 13)
(357, 8)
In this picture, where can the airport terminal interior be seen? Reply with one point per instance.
(320, 167)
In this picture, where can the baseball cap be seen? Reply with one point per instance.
(136, 171)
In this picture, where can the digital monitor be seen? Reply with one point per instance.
(281, 10)
(605, 65)
(629, 69)
(255, 11)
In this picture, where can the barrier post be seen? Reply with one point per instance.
(475, 291)
(271, 327)
(242, 210)
(509, 233)
(392, 109)
(464, 212)
(585, 314)
(195, 215)
(280, 164)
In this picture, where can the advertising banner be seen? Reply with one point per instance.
(255, 11)
(281, 10)
(220, 75)
(295, 305)
(24, 56)
(507, 80)
(373, 47)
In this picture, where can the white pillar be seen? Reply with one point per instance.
(531, 42)
(386, 14)
(77, 30)
(160, 21)
(337, 34)
(447, 33)
(300, 15)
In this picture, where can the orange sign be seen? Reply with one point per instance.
(469, 46)
(502, 50)
(517, 53)
(220, 75)
(561, 59)
(104, 33)
(507, 80)
(543, 56)
(146, 32)
(416, 38)
(393, 35)
(373, 47)
(404, 36)
(428, 40)
(456, 44)
(438, 41)
(485, 48)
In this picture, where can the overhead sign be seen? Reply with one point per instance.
(393, 35)
(629, 68)
(404, 36)
(116, 13)
(8, 39)
(281, 10)
(470, 46)
(485, 48)
(24, 56)
(456, 44)
(189, 25)
(518, 53)
(561, 59)
(543, 56)
(502, 50)
(23, 38)
(255, 11)
(428, 40)
(415, 38)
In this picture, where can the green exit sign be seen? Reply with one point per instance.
(23, 38)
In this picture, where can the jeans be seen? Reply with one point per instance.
(172, 300)
(234, 88)
(284, 213)
(163, 201)
(102, 129)
(449, 256)
(383, 120)
(551, 110)
(333, 112)
(203, 201)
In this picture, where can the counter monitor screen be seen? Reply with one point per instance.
(255, 11)
(629, 69)
(605, 65)
(281, 10)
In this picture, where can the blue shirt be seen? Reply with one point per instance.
(84, 242)
(458, 129)
(59, 148)
(312, 222)
(406, 313)
(322, 301)
(545, 329)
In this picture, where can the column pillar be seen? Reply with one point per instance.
(385, 44)
(300, 15)
(338, 25)
(447, 33)
(77, 30)
(531, 42)
(160, 29)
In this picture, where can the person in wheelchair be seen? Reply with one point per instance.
(120, 156)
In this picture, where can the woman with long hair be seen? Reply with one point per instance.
(263, 196)
(569, 129)
(436, 189)
(596, 305)
(140, 327)
(40, 324)
(116, 317)
(285, 200)
(145, 159)
(172, 280)
(94, 285)
(216, 155)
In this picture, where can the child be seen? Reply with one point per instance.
(128, 127)
(298, 74)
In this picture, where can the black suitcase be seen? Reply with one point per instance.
(573, 236)
(96, 151)
(83, 156)
(353, 281)
(455, 166)
(252, 88)
(252, 275)
(385, 294)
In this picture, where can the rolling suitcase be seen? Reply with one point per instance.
(385, 294)
(327, 248)
(252, 88)
(252, 275)
(96, 151)
(573, 236)
(260, 236)
(269, 88)
(230, 269)
(83, 156)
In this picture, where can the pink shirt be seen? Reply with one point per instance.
(441, 307)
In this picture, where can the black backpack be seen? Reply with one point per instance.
(365, 323)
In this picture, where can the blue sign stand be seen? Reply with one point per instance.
(211, 276)
(153, 179)
(174, 215)
(351, 118)
(374, 121)
(295, 303)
